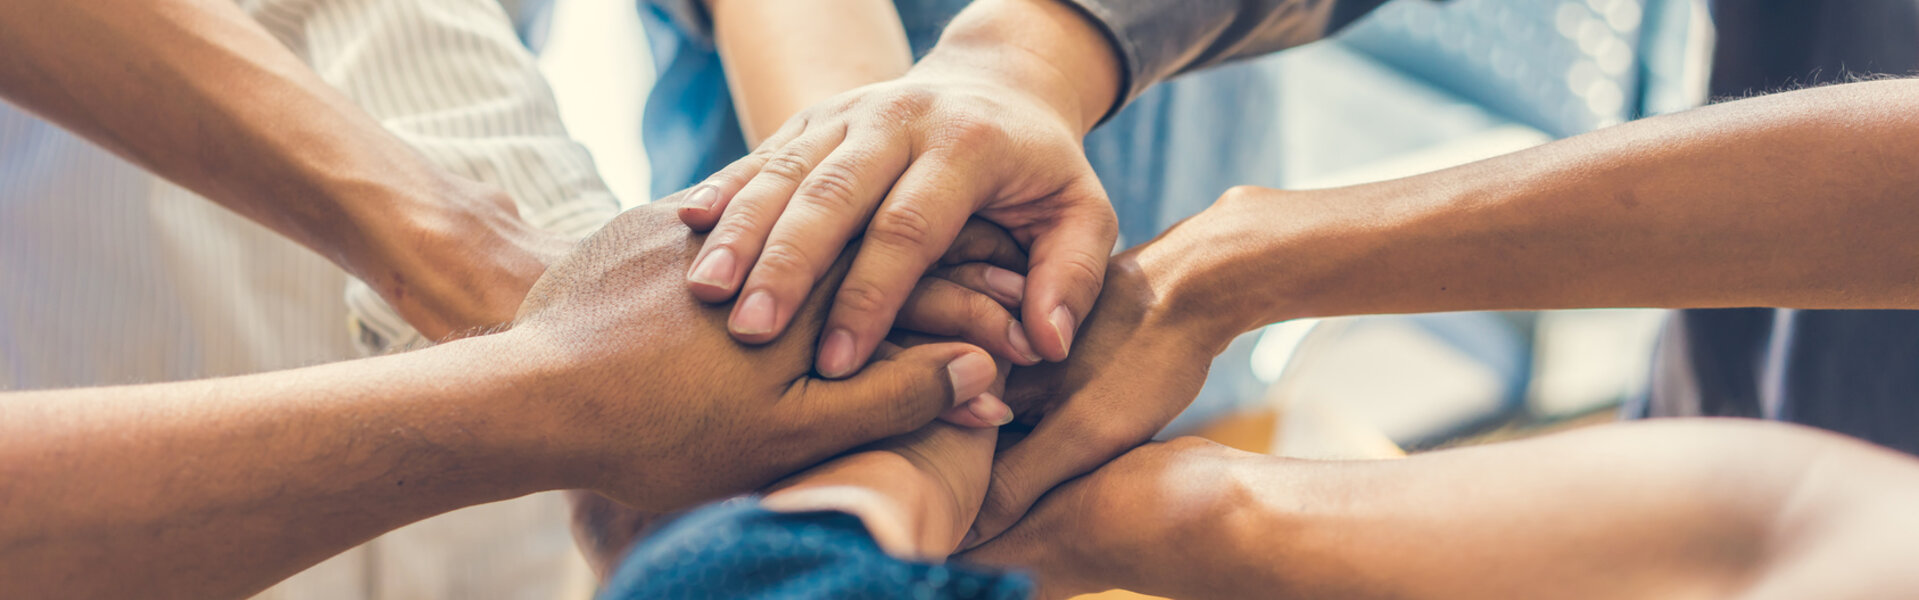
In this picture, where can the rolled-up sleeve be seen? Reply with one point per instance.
(1158, 39)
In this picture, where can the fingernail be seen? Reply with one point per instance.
(703, 198)
(1009, 285)
(969, 540)
(756, 314)
(972, 373)
(1062, 322)
(1017, 335)
(715, 270)
(991, 409)
(836, 355)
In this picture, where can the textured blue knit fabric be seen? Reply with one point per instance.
(737, 549)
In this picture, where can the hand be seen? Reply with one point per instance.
(1122, 525)
(955, 300)
(986, 129)
(654, 405)
(1142, 358)
(459, 264)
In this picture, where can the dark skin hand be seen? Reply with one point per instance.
(964, 297)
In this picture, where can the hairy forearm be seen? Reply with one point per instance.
(1806, 199)
(218, 488)
(1650, 510)
(784, 56)
(201, 95)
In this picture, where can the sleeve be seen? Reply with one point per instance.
(451, 78)
(736, 549)
(1158, 39)
(687, 16)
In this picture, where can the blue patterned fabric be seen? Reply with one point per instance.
(736, 549)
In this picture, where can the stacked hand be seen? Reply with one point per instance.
(904, 164)
(661, 410)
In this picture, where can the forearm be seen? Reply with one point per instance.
(1653, 510)
(200, 94)
(784, 56)
(1042, 47)
(1804, 199)
(218, 488)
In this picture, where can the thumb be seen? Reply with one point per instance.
(1068, 266)
(898, 393)
(1062, 447)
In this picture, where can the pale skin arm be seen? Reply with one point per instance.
(1666, 509)
(783, 56)
(1804, 199)
(198, 93)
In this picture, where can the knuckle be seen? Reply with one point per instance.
(860, 299)
(970, 129)
(907, 102)
(786, 164)
(1240, 194)
(901, 225)
(832, 186)
(782, 259)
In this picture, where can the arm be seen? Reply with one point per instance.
(198, 93)
(218, 488)
(451, 80)
(1805, 199)
(1648, 510)
(782, 57)
(1800, 199)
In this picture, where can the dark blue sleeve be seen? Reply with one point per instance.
(737, 549)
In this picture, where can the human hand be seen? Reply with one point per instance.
(1143, 356)
(981, 128)
(654, 405)
(1125, 525)
(955, 300)
(455, 265)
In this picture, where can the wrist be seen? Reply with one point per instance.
(510, 384)
(1044, 48)
(1262, 256)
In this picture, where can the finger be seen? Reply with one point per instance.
(982, 241)
(984, 411)
(912, 228)
(1003, 286)
(944, 308)
(707, 200)
(895, 395)
(827, 209)
(735, 241)
(1064, 445)
(1068, 266)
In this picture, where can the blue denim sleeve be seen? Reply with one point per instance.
(737, 549)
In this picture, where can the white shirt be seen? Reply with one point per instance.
(110, 275)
